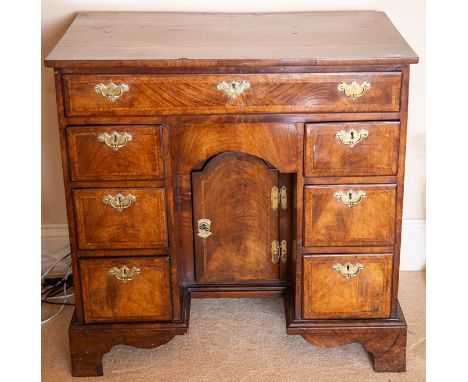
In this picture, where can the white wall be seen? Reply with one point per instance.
(408, 17)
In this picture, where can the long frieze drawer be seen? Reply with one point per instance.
(121, 218)
(94, 95)
(349, 215)
(126, 289)
(351, 149)
(115, 153)
(344, 286)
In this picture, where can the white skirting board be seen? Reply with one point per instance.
(55, 245)
(413, 243)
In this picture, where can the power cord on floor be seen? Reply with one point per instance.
(50, 292)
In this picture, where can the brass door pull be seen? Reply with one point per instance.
(348, 269)
(115, 140)
(204, 228)
(233, 89)
(124, 273)
(354, 90)
(350, 197)
(351, 137)
(111, 91)
(118, 201)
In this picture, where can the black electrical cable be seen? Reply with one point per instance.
(53, 291)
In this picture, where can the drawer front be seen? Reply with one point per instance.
(340, 286)
(349, 215)
(351, 149)
(89, 95)
(115, 153)
(126, 289)
(121, 218)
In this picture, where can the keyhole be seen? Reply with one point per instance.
(347, 267)
(352, 134)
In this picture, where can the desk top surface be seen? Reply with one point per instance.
(226, 39)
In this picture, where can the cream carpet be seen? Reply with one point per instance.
(242, 340)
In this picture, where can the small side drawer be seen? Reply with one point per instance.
(126, 289)
(351, 149)
(115, 153)
(349, 215)
(121, 218)
(344, 286)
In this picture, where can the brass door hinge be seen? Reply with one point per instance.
(279, 197)
(279, 251)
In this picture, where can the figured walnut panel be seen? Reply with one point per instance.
(233, 191)
(146, 297)
(328, 294)
(268, 93)
(328, 222)
(195, 143)
(139, 159)
(377, 154)
(142, 225)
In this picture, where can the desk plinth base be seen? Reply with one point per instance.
(89, 342)
(383, 339)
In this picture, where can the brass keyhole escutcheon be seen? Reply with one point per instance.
(204, 228)
(350, 197)
(352, 137)
(233, 89)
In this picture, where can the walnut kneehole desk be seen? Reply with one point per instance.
(234, 155)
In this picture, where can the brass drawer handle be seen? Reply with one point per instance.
(124, 273)
(111, 91)
(351, 137)
(115, 140)
(354, 90)
(118, 201)
(348, 269)
(204, 228)
(233, 89)
(350, 197)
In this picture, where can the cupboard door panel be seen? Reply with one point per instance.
(233, 192)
